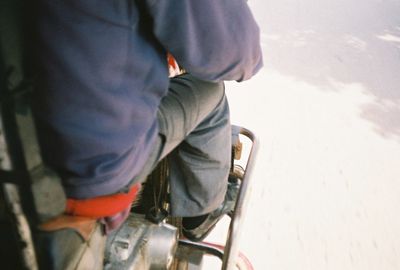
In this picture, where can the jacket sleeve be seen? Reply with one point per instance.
(212, 39)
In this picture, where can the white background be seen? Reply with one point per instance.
(326, 107)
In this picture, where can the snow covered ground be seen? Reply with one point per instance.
(326, 107)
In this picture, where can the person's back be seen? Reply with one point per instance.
(107, 111)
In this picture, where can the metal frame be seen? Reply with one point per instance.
(232, 244)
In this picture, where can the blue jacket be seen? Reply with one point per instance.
(102, 72)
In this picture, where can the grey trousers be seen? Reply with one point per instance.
(195, 131)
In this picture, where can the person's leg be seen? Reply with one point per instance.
(195, 131)
(194, 124)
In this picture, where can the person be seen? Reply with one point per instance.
(107, 111)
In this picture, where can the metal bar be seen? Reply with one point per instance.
(232, 244)
(23, 232)
(208, 249)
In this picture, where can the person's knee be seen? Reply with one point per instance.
(196, 100)
(215, 91)
(209, 94)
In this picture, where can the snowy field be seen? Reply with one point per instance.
(326, 107)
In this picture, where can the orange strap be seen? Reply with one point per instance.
(103, 206)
